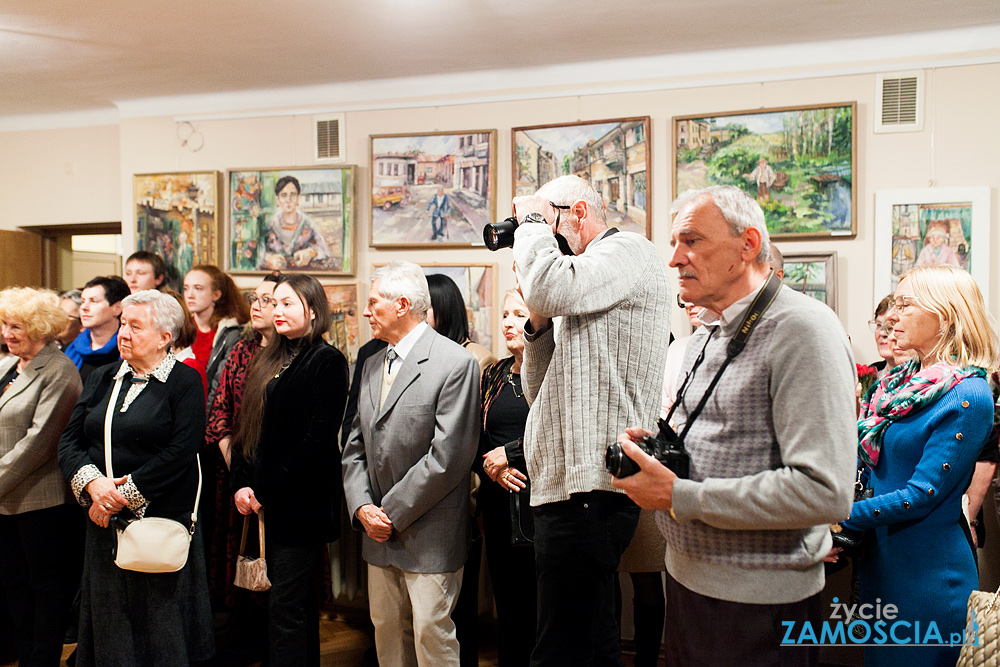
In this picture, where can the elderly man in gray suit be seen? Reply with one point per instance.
(406, 471)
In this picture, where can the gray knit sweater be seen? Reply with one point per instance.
(600, 367)
(772, 457)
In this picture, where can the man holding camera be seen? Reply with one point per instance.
(771, 447)
(593, 363)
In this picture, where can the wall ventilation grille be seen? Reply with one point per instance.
(900, 99)
(330, 138)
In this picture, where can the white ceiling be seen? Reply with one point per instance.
(59, 56)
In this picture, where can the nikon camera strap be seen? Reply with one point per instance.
(753, 315)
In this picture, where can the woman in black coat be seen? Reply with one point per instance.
(286, 460)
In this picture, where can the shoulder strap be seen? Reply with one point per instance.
(751, 318)
(107, 450)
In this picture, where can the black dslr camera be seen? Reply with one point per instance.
(666, 447)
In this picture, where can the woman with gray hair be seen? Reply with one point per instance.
(157, 426)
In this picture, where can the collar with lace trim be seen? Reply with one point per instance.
(161, 373)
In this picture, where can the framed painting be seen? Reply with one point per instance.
(478, 285)
(814, 274)
(924, 226)
(432, 190)
(613, 155)
(799, 163)
(343, 333)
(296, 219)
(177, 217)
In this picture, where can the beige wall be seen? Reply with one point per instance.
(956, 148)
(59, 176)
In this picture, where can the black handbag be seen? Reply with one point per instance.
(850, 541)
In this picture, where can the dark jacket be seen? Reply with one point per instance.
(295, 474)
(223, 344)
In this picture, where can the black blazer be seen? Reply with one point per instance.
(296, 472)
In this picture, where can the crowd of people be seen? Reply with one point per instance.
(126, 400)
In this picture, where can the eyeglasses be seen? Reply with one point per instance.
(559, 208)
(264, 301)
(903, 303)
(884, 328)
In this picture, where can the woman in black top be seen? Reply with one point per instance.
(512, 568)
(286, 460)
(158, 423)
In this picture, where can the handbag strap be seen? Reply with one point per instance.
(260, 532)
(108, 414)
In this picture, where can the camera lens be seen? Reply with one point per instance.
(498, 235)
(617, 462)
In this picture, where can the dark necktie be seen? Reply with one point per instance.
(390, 356)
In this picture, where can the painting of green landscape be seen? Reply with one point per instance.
(798, 163)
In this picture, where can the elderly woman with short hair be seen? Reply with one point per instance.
(41, 530)
(157, 427)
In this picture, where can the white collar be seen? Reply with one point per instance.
(406, 344)
(734, 313)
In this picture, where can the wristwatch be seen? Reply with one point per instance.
(535, 217)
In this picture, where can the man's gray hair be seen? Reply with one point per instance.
(74, 295)
(739, 209)
(407, 279)
(567, 189)
(166, 314)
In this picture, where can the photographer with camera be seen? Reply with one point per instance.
(766, 428)
(594, 351)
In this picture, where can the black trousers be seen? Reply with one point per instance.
(512, 572)
(41, 558)
(293, 613)
(578, 544)
(707, 632)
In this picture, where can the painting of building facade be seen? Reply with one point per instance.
(798, 163)
(432, 189)
(176, 217)
(613, 155)
(295, 219)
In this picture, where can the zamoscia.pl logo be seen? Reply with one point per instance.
(872, 625)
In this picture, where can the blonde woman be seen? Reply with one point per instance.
(41, 529)
(920, 435)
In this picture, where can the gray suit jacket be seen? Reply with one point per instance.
(413, 457)
(33, 413)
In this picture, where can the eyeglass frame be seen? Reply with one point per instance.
(885, 327)
(265, 300)
(557, 208)
(895, 306)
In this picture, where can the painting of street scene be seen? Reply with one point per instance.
(435, 189)
(930, 234)
(477, 283)
(295, 219)
(798, 163)
(612, 155)
(176, 218)
(343, 333)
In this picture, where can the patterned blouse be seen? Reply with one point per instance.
(229, 395)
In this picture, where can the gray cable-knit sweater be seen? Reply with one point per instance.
(772, 456)
(599, 368)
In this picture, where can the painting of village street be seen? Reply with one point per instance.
(435, 189)
(612, 155)
(176, 218)
(295, 219)
(798, 163)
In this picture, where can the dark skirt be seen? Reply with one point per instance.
(134, 619)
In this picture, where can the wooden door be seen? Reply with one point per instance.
(20, 259)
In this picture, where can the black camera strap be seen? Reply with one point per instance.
(760, 304)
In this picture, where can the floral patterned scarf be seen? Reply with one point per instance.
(904, 391)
